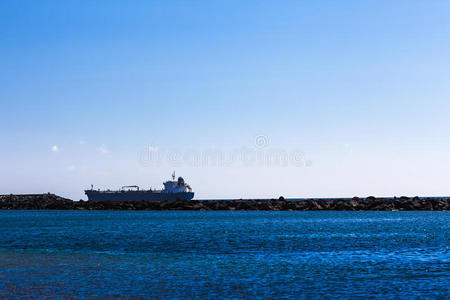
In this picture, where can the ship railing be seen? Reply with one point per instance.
(130, 187)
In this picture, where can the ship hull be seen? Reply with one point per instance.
(137, 195)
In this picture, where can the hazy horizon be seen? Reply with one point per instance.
(244, 99)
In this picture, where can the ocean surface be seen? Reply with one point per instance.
(195, 254)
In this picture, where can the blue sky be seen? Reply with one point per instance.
(359, 90)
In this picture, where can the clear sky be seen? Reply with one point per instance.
(353, 96)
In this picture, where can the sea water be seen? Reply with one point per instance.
(225, 254)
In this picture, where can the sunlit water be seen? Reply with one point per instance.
(225, 254)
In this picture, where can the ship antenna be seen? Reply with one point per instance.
(173, 175)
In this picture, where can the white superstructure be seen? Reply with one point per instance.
(178, 186)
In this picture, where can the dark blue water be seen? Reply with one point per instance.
(225, 254)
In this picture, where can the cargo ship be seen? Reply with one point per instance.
(173, 190)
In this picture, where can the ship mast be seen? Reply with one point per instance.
(173, 175)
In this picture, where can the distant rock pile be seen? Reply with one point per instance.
(51, 201)
(35, 201)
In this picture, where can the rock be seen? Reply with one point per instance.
(51, 201)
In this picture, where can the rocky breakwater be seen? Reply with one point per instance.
(35, 201)
(51, 201)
